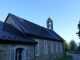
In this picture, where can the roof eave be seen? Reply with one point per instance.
(16, 42)
(35, 36)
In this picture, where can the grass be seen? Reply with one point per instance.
(67, 57)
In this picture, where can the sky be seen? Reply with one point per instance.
(64, 13)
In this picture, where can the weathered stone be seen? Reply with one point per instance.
(49, 56)
(5, 51)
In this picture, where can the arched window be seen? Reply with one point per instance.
(61, 47)
(51, 45)
(57, 47)
(45, 47)
(37, 48)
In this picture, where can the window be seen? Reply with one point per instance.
(56, 47)
(19, 54)
(26, 51)
(45, 47)
(37, 49)
(60, 47)
(51, 45)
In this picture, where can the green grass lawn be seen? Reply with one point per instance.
(69, 57)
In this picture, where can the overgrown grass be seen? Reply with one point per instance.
(67, 57)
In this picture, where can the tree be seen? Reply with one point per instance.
(1, 21)
(73, 45)
(78, 48)
(67, 47)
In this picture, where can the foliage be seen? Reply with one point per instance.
(73, 45)
(1, 21)
(67, 57)
(78, 48)
(67, 47)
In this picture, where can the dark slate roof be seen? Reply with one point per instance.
(10, 33)
(35, 30)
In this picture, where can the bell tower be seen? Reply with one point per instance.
(49, 24)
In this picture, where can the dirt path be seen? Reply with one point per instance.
(75, 56)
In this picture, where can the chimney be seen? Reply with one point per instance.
(49, 24)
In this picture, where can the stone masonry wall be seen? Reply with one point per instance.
(5, 51)
(49, 56)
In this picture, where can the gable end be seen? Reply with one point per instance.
(12, 21)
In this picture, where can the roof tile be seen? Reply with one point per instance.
(36, 30)
(8, 32)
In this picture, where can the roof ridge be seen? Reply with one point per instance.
(28, 21)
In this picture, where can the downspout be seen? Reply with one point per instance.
(64, 48)
(34, 52)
